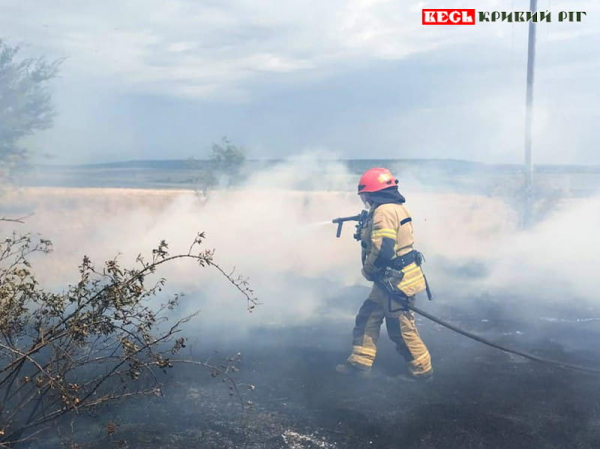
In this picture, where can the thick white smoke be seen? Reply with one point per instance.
(275, 229)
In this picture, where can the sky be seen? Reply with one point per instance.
(164, 79)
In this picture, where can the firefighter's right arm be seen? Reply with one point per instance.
(383, 242)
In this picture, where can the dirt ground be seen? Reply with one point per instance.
(479, 397)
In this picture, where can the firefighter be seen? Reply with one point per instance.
(387, 247)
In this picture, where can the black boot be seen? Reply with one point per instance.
(349, 369)
(409, 377)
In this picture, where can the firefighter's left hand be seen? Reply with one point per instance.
(366, 275)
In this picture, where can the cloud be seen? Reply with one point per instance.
(344, 74)
(183, 47)
(188, 48)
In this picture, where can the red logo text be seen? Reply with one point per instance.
(448, 17)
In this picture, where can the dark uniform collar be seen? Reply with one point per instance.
(385, 196)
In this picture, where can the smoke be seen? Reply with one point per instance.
(276, 230)
(557, 259)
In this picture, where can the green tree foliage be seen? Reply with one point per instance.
(223, 167)
(25, 102)
(227, 159)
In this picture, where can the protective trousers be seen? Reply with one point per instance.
(401, 330)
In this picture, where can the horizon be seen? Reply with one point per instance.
(333, 159)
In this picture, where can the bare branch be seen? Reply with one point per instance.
(97, 342)
(16, 220)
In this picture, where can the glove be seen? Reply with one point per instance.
(366, 275)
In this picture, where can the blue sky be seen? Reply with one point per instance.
(150, 79)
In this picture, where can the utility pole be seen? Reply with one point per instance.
(528, 118)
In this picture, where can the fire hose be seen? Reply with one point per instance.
(361, 219)
(507, 349)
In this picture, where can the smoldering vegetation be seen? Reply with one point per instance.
(535, 290)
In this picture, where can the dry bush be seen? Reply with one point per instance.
(99, 341)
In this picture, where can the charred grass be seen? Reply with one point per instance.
(479, 398)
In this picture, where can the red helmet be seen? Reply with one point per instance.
(376, 179)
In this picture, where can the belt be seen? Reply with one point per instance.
(402, 261)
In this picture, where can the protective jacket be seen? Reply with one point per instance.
(386, 237)
(387, 240)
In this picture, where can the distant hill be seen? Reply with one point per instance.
(431, 174)
(354, 165)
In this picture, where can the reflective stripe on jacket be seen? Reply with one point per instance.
(387, 234)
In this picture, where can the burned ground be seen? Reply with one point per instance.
(479, 398)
